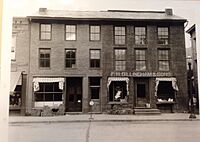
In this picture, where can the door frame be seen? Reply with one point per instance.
(147, 91)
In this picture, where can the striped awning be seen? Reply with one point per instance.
(126, 79)
(14, 80)
(36, 82)
(172, 79)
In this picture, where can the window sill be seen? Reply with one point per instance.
(117, 103)
(165, 102)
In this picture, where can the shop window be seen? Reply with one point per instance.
(44, 58)
(140, 62)
(95, 56)
(120, 59)
(165, 90)
(45, 31)
(140, 35)
(120, 35)
(95, 33)
(94, 83)
(70, 58)
(163, 60)
(117, 90)
(48, 92)
(15, 97)
(70, 32)
(163, 35)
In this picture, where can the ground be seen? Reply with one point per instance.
(138, 131)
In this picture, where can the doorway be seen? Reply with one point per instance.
(142, 92)
(74, 94)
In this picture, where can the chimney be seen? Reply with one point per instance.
(42, 10)
(168, 12)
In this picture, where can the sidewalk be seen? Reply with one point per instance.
(102, 118)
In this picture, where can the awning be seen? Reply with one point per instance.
(36, 82)
(172, 79)
(126, 79)
(14, 80)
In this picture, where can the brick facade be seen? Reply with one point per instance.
(28, 45)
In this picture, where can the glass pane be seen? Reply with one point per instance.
(120, 54)
(94, 81)
(48, 97)
(58, 97)
(95, 54)
(95, 93)
(39, 97)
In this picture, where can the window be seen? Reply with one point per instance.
(94, 87)
(48, 92)
(95, 33)
(70, 58)
(70, 32)
(45, 31)
(140, 35)
(120, 35)
(163, 35)
(120, 59)
(13, 48)
(165, 90)
(44, 58)
(95, 56)
(163, 60)
(140, 55)
(117, 91)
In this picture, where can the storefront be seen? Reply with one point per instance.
(143, 89)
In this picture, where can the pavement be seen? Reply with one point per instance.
(102, 118)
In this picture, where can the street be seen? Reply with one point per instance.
(138, 131)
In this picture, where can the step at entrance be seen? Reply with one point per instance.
(146, 111)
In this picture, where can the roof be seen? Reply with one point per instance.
(191, 29)
(105, 15)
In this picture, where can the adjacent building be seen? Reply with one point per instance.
(114, 57)
(193, 61)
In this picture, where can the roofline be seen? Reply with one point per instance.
(100, 19)
(192, 28)
(134, 11)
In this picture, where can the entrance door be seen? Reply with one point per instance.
(74, 95)
(141, 93)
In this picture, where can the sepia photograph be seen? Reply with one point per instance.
(99, 71)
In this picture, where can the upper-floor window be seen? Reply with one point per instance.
(120, 59)
(70, 58)
(70, 32)
(119, 35)
(140, 35)
(140, 55)
(44, 58)
(95, 33)
(163, 60)
(163, 35)
(13, 48)
(95, 56)
(45, 31)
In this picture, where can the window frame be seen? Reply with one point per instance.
(94, 33)
(95, 59)
(114, 31)
(43, 93)
(91, 86)
(162, 38)
(72, 65)
(138, 60)
(46, 59)
(50, 32)
(164, 60)
(70, 32)
(140, 35)
(118, 60)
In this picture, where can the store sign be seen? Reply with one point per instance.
(141, 74)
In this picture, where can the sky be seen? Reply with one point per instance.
(183, 8)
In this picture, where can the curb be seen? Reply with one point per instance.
(111, 120)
